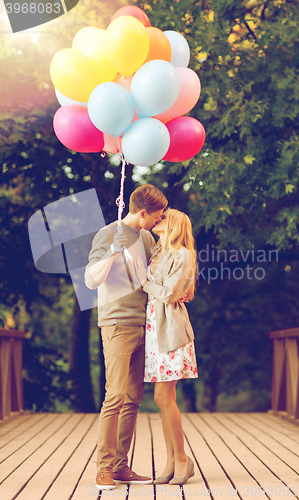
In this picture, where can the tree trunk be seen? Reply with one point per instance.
(82, 396)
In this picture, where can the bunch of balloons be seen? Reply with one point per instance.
(126, 89)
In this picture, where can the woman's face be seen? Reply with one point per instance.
(160, 227)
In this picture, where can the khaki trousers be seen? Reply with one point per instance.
(124, 352)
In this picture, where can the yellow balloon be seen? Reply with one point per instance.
(91, 42)
(126, 44)
(80, 39)
(72, 73)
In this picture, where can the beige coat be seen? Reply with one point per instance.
(171, 282)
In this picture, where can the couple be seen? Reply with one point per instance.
(146, 333)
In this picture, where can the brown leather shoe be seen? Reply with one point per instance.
(104, 479)
(128, 476)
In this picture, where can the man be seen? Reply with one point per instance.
(121, 316)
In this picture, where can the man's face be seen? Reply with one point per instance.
(148, 221)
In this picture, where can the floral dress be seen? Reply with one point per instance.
(163, 367)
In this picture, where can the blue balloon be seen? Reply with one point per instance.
(110, 108)
(154, 88)
(180, 51)
(145, 142)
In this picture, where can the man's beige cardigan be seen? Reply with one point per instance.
(172, 279)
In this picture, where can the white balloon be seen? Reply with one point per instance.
(66, 101)
(180, 51)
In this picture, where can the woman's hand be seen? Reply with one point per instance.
(185, 297)
(140, 270)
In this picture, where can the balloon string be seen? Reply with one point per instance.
(120, 200)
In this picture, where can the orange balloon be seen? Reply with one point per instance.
(131, 10)
(125, 82)
(160, 47)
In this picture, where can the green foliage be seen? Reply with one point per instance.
(240, 190)
(45, 377)
(246, 54)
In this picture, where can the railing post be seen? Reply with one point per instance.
(285, 372)
(11, 373)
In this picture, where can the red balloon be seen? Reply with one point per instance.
(187, 137)
(76, 131)
(131, 10)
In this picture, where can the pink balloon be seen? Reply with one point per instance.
(112, 144)
(187, 137)
(188, 96)
(76, 131)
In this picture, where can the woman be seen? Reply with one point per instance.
(169, 347)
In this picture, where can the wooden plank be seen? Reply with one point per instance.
(60, 473)
(12, 333)
(19, 452)
(17, 403)
(283, 426)
(269, 459)
(234, 469)
(5, 377)
(216, 481)
(23, 426)
(265, 430)
(86, 487)
(63, 443)
(162, 490)
(216, 459)
(258, 471)
(196, 485)
(142, 457)
(19, 442)
(291, 348)
(291, 332)
(234, 455)
(13, 416)
(19, 420)
(35, 454)
(278, 397)
(274, 446)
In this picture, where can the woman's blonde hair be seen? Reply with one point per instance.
(179, 234)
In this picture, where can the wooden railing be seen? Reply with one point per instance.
(285, 374)
(11, 373)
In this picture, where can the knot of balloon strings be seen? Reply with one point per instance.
(120, 200)
(121, 204)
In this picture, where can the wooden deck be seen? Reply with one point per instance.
(52, 457)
